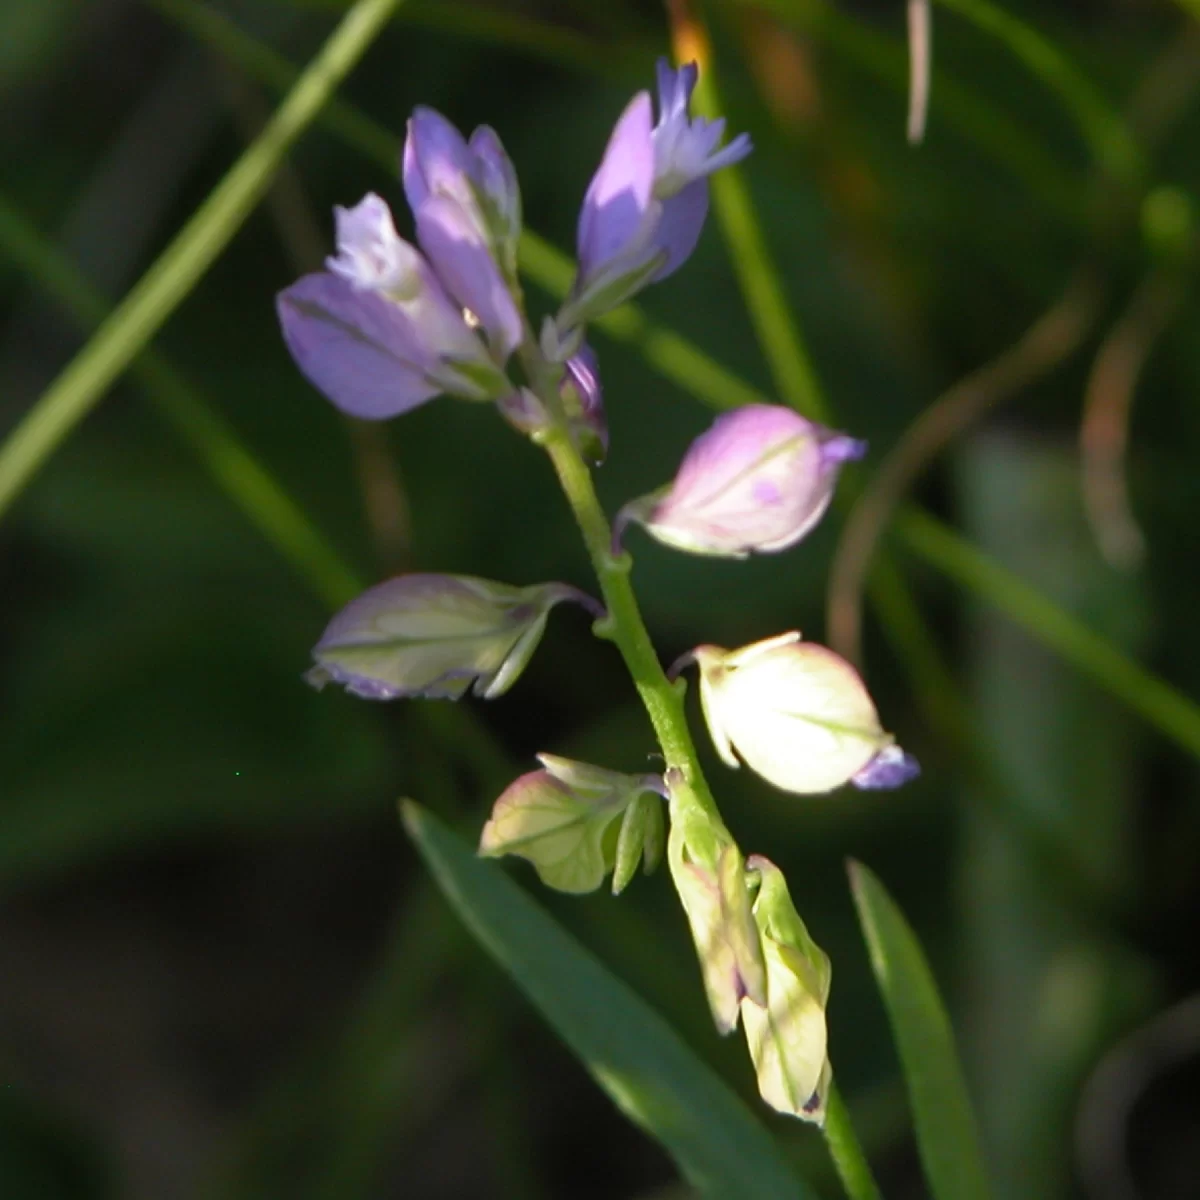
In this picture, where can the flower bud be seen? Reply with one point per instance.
(467, 206)
(758, 480)
(467, 270)
(787, 1035)
(562, 820)
(716, 900)
(376, 332)
(582, 404)
(646, 204)
(435, 636)
(477, 175)
(795, 713)
(583, 400)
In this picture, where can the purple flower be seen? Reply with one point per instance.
(890, 768)
(435, 636)
(646, 204)
(467, 206)
(583, 404)
(758, 480)
(376, 332)
(583, 399)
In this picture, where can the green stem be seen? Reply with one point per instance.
(846, 1150)
(663, 701)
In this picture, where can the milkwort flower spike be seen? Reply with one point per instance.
(787, 1036)
(798, 715)
(646, 204)
(757, 481)
(564, 820)
(376, 331)
(435, 636)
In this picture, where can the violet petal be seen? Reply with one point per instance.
(620, 192)
(355, 346)
(680, 225)
(890, 768)
(436, 159)
(465, 266)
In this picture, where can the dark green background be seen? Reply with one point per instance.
(223, 974)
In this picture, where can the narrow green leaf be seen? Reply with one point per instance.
(159, 292)
(635, 1056)
(880, 56)
(946, 1133)
(233, 467)
(1102, 127)
(1170, 711)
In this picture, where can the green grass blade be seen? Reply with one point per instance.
(542, 39)
(695, 372)
(1102, 127)
(982, 125)
(238, 473)
(634, 1055)
(1168, 710)
(190, 254)
(947, 1137)
(777, 330)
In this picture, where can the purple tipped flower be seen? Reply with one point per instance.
(376, 332)
(890, 768)
(467, 206)
(583, 399)
(435, 636)
(646, 204)
(757, 481)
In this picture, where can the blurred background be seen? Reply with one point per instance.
(223, 972)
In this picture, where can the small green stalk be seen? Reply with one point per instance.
(846, 1150)
(664, 705)
(663, 700)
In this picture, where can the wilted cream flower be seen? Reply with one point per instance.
(794, 712)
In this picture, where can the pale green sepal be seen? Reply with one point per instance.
(639, 839)
(436, 636)
(474, 379)
(718, 908)
(787, 1035)
(561, 819)
(518, 657)
(654, 840)
(539, 819)
(606, 294)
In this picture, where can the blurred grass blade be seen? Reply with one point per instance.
(701, 376)
(776, 328)
(634, 1055)
(498, 25)
(190, 254)
(1168, 710)
(250, 486)
(947, 1137)
(982, 125)
(1103, 129)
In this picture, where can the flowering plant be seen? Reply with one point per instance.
(390, 325)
